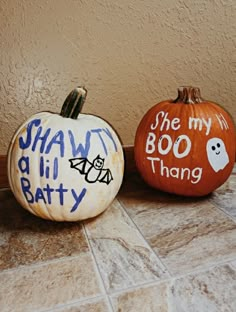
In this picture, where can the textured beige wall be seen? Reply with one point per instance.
(129, 55)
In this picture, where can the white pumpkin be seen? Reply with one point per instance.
(65, 167)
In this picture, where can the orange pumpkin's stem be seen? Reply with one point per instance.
(188, 95)
(73, 103)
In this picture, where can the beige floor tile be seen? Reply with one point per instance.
(124, 259)
(225, 196)
(45, 286)
(91, 306)
(187, 234)
(145, 299)
(211, 291)
(26, 239)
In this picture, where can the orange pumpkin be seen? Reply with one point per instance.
(185, 146)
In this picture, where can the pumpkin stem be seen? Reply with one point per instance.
(73, 103)
(188, 95)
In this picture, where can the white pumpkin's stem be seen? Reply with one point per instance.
(188, 95)
(73, 103)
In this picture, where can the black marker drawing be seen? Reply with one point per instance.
(93, 171)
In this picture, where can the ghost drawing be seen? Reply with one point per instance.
(217, 154)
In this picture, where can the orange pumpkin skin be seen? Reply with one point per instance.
(185, 146)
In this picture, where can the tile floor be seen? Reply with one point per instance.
(148, 252)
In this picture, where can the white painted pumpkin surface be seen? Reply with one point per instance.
(65, 169)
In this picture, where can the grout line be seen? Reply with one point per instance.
(98, 272)
(40, 264)
(204, 269)
(106, 295)
(84, 300)
(226, 213)
(174, 278)
(139, 286)
(45, 263)
(222, 210)
(109, 293)
(109, 303)
(146, 242)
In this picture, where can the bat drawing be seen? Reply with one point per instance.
(92, 171)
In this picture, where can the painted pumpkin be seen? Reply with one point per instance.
(65, 167)
(185, 146)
